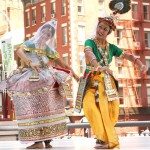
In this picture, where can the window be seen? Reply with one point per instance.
(53, 8)
(120, 70)
(136, 39)
(27, 15)
(80, 7)
(43, 13)
(135, 11)
(63, 8)
(118, 35)
(146, 12)
(27, 36)
(81, 34)
(147, 39)
(148, 65)
(130, 89)
(121, 95)
(136, 35)
(33, 16)
(65, 58)
(34, 1)
(148, 96)
(139, 92)
(64, 35)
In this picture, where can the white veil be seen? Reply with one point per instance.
(51, 26)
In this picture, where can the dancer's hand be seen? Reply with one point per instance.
(76, 77)
(35, 67)
(104, 69)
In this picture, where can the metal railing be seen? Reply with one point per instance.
(119, 124)
(84, 125)
(87, 125)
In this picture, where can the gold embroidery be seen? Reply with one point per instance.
(42, 121)
(40, 52)
(40, 132)
(22, 94)
(87, 48)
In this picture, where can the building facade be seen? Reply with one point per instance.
(77, 20)
(11, 26)
(132, 35)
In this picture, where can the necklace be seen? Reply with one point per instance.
(111, 91)
(104, 52)
(101, 43)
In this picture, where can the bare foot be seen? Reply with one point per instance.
(47, 144)
(100, 142)
(36, 145)
(101, 146)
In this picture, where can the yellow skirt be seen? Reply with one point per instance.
(102, 116)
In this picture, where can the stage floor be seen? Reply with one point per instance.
(83, 143)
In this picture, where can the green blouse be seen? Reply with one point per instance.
(112, 51)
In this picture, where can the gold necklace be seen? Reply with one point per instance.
(101, 43)
(104, 51)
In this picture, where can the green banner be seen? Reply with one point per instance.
(7, 55)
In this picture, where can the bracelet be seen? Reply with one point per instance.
(100, 67)
(87, 48)
(92, 60)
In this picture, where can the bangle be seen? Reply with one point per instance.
(99, 67)
(92, 60)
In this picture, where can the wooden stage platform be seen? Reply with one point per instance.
(83, 143)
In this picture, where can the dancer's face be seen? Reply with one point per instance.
(103, 29)
(46, 34)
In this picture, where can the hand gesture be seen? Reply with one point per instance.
(35, 67)
(104, 69)
(76, 77)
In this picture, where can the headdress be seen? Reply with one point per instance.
(51, 26)
(117, 6)
(120, 6)
(109, 20)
